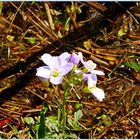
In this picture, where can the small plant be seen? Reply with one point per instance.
(133, 65)
(69, 70)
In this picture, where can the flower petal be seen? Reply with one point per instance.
(98, 93)
(56, 64)
(43, 72)
(92, 80)
(85, 76)
(65, 56)
(56, 80)
(80, 55)
(98, 72)
(52, 61)
(75, 58)
(47, 59)
(90, 65)
(66, 69)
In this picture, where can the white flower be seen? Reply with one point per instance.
(97, 92)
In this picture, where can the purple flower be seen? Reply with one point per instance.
(66, 56)
(91, 78)
(57, 67)
(75, 59)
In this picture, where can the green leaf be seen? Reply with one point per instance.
(32, 3)
(36, 128)
(61, 135)
(29, 120)
(106, 120)
(23, 47)
(1, 7)
(52, 123)
(74, 124)
(42, 129)
(67, 24)
(121, 32)
(78, 106)
(78, 115)
(133, 65)
(74, 121)
(31, 40)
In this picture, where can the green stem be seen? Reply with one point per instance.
(64, 108)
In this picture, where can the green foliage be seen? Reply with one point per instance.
(1, 7)
(67, 24)
(49, 127)
(121, 32)
(33, 2)
(31, 40)
(74, 121)
(133, 65)
(42, 128)
(29, 120)
(54, 135)
(22, 47)
(35, 129)
(76, 79)
(86, 89)
(106, 120)
(54, 129)
(78, 115)
(78, 106)
(52, 123)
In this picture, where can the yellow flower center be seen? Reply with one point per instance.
(55, 73)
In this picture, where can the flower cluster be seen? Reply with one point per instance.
(59, 66)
